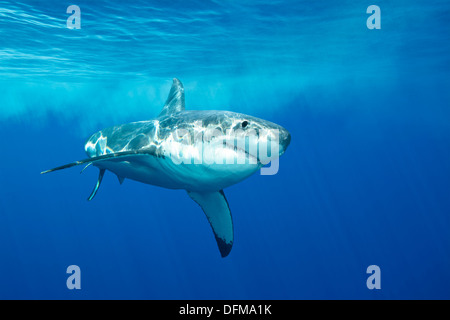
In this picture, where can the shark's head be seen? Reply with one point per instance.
(261, 138)
(229, 135)
(268, 131)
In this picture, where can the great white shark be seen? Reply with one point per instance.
(202, 152)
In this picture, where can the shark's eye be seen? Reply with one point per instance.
(244, 123)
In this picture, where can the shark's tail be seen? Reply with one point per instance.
(109, 156)
(118, 156)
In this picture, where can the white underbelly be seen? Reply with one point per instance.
(165, 173)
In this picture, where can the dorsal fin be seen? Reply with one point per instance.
(175, 100)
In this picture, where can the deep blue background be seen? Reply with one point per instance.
(366, 179)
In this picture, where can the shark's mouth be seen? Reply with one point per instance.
(241, 150)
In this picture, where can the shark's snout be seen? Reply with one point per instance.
(281, 136)
(285, 140)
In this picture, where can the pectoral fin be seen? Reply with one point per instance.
(215, 206)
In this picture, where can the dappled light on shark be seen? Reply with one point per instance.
(202, 152)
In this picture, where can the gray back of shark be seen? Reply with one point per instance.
(202, 152)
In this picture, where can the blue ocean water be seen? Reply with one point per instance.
(365, 180)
